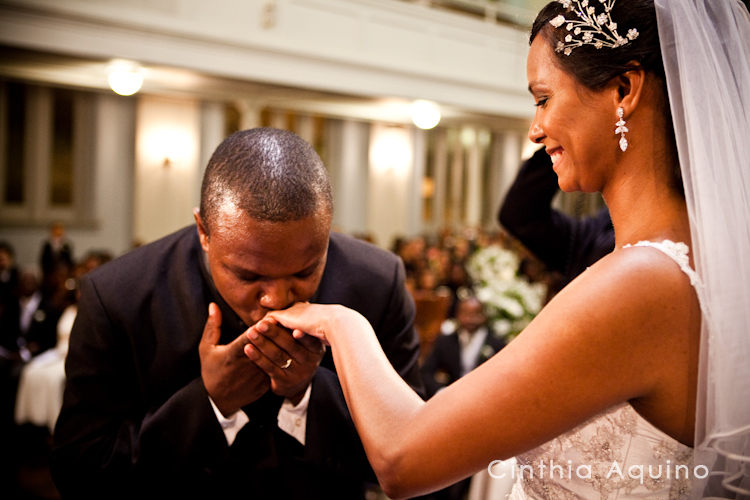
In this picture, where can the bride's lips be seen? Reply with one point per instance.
(555, 155)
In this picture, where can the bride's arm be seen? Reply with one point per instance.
(605, 339)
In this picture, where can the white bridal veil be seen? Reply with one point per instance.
(706, 50)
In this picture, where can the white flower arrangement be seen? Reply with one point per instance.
(510, 300)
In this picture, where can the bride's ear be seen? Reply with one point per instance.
(629, 88)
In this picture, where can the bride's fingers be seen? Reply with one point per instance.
(311, 319)
(311, 341)
(302, 335)
(297, 317)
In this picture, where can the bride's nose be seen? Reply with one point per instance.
(536, 134)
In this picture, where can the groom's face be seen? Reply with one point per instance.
(259, 266)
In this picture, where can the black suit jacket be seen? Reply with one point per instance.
(443, 365)
(136, 413)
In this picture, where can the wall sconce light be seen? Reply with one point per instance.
(468, 137)
(391, 150)
(125, 77)
(425, 114)
(168, 146)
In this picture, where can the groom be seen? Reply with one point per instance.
(160, 399)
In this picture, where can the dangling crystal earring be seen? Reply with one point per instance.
(621, 129)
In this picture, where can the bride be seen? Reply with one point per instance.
(640, 364)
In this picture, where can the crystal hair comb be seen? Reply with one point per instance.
(590, 28)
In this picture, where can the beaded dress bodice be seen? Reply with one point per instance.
(616, 455)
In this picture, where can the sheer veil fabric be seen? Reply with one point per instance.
(706, 50)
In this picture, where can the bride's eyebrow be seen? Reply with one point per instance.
(536, 86)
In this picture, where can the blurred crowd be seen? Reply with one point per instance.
(33, 298)
(438, 263)
(37, 309)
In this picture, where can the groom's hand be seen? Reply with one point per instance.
(231, 380)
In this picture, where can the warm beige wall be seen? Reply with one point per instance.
(165, 194)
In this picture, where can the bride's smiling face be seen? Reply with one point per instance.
(576, 125)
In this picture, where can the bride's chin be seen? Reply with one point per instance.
(566, 185)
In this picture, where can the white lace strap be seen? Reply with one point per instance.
(678, 252)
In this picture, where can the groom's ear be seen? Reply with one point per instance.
(202, 232)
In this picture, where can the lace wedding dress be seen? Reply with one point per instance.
(617, 455)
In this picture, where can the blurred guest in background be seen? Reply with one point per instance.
(465, 343)
(8, 274)
(28, 325)
(41, 381)
(56, 249)
(30, 321)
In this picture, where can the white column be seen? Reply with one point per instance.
(391, 165)
(413, 214)
(114, 157)
(511, 159)
(211, 134)
(348, 144)
(456, 181)
(305, 128)
(278, 119)
(440, 158)
(495, 181)
(249, 113)
(473, 193)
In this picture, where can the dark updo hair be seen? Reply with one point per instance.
(270, 174)
(593, 67)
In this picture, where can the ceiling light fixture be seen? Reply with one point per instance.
(425, 114)
(125, 77)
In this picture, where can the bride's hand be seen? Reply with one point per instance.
(305, 319)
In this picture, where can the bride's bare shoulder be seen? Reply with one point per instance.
(639, 266)
(630, 289)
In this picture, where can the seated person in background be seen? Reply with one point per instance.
(8, 274)
(160, 401)
(28, 325)
(42, 380)
(465, 343)
(563, 243)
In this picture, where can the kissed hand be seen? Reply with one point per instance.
(306, 319)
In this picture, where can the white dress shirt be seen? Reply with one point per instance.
(291, 419)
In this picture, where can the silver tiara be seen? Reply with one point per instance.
(590, 28)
